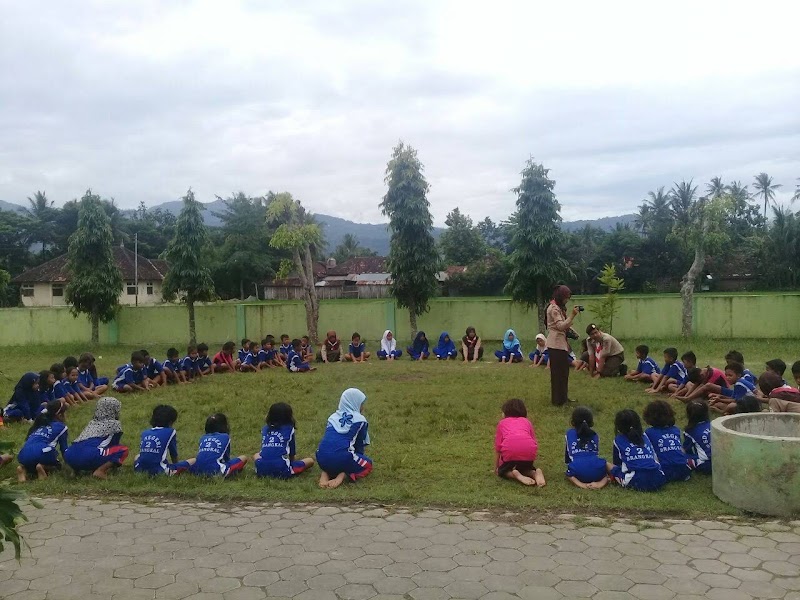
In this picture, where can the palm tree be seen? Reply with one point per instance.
(766, 189)
(739, 192)
(41, 211)
(796, 195)
(681, 200)
(715, 187)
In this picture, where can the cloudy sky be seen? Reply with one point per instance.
(141, 100)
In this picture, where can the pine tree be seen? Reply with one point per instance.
(95, 281)
(413, 258)
(536, 241)
(187, 273)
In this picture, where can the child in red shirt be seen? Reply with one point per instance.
(515, 445)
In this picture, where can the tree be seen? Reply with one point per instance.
(187, 273)
(495, 236)
(17, 233)
(766, 189)
(536, 240)
(607, 308)
(95, 282)
(462, 243)
(42, 213)
(582, 250)
(350, 247)
(703, 233)
(11, 515)
(716, 188)
(796, 195)
(413, 259)
(298, 234)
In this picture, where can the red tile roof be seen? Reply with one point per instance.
(359, 265)
(55, 270)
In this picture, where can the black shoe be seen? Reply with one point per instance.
(623, 369)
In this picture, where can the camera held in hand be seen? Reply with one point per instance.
(580, 308)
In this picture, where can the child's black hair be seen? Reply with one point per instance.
(659, 413)
(628, 423)
(643, 349)
(172, 352)
(306, 338)
(472, 330)
(284, 336)
(280, 414)
(777, 365)
(672, 353)
(734, 356)
(736, 367)
(355, 335)
(85, 359)
(57, 369)
(217, 423)
(245, 342)
(70, 361)
(695, 376)
(768, 381)
(164, 415)
(696, 412)
(191, 348)
(296, 343)
(583, 421)
(514, 408)
(271, 337)
(202, 347)
(228, 347)
(43, 377)
(144, 353)
(796, 368)
(137, 357)
(47, 416)
(748, 404)
(264, 342)
(254, 346)
(689, 356)
(69, 370)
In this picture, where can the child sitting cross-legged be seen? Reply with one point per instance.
(739, 386)
(635, 463)
(159, 445)
(294, 360)
(647, 370)
(666, 440)
(515, 445)
(214, 450)
(697, 436)
(541, 356)
(585, 468)
(277, 455)
(356, 352)
(341, 451)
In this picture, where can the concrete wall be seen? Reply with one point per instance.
(43, 295)
(649, 317)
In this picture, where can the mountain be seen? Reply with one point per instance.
(11, 207)
(604, 223)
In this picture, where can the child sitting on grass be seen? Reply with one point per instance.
(446, 348)
(25, 400)
(268, 357)
(419, 348)
(734, 356)
(697, 436)
(97, 448)
(173, 367)
(647, 370)
(540, 357)
(341, 451)
(223, 360)
(86, 379)
(739, 386)
(277, 455)
(699, 379)
(214, 451)
(159, 445)
(671, 374)
(781, 396)
(683, 386)
(635, 464)
(307, 348)
(515, 445)
(357, 351)
(511, 350)
(250, 364)
(389, 349)
(47, 435)
(131, 377)
(585, 468)
(666, 440)
(294, 360)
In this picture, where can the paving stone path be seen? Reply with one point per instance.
(91, 549)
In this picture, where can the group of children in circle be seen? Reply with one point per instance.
(98, 449)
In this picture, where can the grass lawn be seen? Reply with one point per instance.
(432, 427)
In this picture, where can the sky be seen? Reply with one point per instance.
(142, 100)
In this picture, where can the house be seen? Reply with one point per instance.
(357, 277)
(44, 285)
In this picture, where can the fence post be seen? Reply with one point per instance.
(113, 332)
(241, 322)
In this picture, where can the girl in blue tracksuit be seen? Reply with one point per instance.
(25, 401)
(214, 451)
(635, 463)
(277, 455)
(419, 348)
(446, 348)
(97, 448)
(46, 437)
(159, 445)
(697, 436)
(585, 468)
(341, 452)
(666, 440)
(511, 350)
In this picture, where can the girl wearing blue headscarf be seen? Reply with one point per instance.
(445, 349)
(511, 350)
(341, 452)
(419, 349)
(25, 402)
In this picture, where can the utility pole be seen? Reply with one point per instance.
(136, 264)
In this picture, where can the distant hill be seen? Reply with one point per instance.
(374, 236)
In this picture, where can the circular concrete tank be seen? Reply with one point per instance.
(756, 458)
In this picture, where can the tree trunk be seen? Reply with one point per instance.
(688, 282)
(412, 319)
(305, 269)
(541, 309)
(95, 326)
(192, 330)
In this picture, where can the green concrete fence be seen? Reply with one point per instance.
(639, 317)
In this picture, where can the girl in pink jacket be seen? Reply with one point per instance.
(515, 445)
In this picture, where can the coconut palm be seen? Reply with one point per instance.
(43, 214)
(766, 189)
(681, 200)
(715, 187)
(739, 192)
(796, 195)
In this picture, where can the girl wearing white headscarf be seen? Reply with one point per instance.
(540, 356)
(97, 448)
(389, 349)
(341, 452)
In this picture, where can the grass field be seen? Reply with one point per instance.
(432, 428)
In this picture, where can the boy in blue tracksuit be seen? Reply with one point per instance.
(204, 362)
(131, 377)
(277, 455)
(153, 370)
(666, 440)
(635, 463)
(251, 362)
(173, 367)
(294, 360)
(673, 372)
(341, 452)
(647, 369)
(87, 380)
(159, 445)
(46, 437)
(739, 386)
(357, 351)
(286, 345)
(243, 352)
(267, 356)
(190, 364)
(214, 451)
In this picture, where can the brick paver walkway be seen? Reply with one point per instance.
(88, 549)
